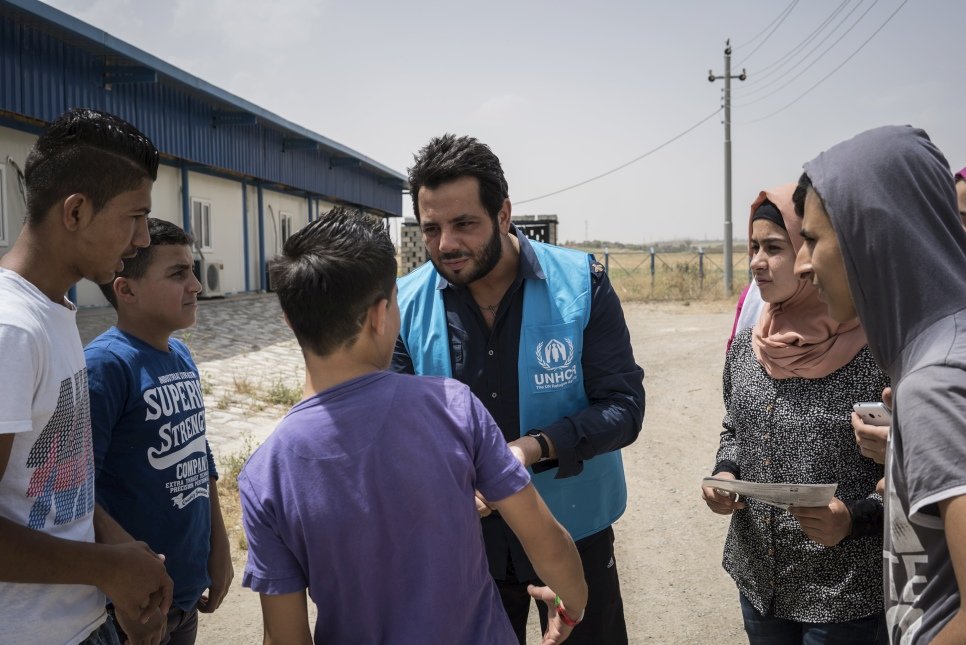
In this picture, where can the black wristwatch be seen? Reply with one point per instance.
(542, 440)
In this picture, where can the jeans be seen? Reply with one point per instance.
(103, 635)
(768, 630)
(182, 628)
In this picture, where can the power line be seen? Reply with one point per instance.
(787, 12)
(772, 68)
(824, 78)
(758, 35)
(817, 59)
(622, 166)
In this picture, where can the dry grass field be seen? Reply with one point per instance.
(676, 277)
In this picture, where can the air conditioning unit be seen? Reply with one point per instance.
(208, 272)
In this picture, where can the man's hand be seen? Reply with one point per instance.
(136, 633)
(557, 630)
(221, 572)
(526, 450)
(826, 525)
(482, 506)
(719, 501)
(516, 449)
(136, 582)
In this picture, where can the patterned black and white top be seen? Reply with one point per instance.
(798, 431)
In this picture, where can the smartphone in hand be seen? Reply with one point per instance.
(874, 413)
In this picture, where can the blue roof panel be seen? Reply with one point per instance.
(50, 61)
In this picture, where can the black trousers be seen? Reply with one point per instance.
(603, 622)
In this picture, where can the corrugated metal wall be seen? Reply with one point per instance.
(41, 75)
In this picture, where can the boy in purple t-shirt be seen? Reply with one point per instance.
(364, 494)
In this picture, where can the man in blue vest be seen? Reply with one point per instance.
(538, 334)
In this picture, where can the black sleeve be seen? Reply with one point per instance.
(867, 515)
(727, 466)
(401, 361)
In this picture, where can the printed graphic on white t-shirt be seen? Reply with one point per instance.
(62, 482)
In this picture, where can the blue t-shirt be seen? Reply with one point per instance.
(364, 495)
(151, 456)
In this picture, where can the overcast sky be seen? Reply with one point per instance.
(567, 90)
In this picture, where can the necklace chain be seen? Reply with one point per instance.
(489, 308)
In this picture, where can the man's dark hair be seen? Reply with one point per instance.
(329, 274)
(89, 152)
(798, 197)
(162, 234)
(449, 157)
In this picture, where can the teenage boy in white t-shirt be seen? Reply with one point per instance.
(88, 181)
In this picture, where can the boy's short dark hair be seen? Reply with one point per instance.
(162, 234)
(90, 152)
(798, 197)
(329, 274)
(449, 157)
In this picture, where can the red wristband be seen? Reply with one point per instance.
(564, 616)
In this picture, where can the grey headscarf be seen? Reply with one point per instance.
(891, 199)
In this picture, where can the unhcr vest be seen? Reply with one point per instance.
(550, 375)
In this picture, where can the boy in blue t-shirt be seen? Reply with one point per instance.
(154, 470)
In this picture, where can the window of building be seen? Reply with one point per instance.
(3, 206)
(285, 226)
(201, 223)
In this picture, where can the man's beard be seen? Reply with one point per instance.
(488, 257)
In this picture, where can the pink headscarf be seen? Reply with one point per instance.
(797, 338)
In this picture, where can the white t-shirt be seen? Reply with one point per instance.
(48, 484)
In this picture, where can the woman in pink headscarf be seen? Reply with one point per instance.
(804, 575)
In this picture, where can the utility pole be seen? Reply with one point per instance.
(728, 268)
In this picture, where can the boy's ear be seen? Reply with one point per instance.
(287, 322)
(378, 316)
(76, 211)
(123, 290)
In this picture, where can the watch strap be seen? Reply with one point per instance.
(542, 440)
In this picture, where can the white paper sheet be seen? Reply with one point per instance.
(780, 495)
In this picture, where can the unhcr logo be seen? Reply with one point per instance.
(556, 357)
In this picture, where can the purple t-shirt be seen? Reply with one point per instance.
(364, 495)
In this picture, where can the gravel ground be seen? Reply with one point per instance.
(668, 543)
